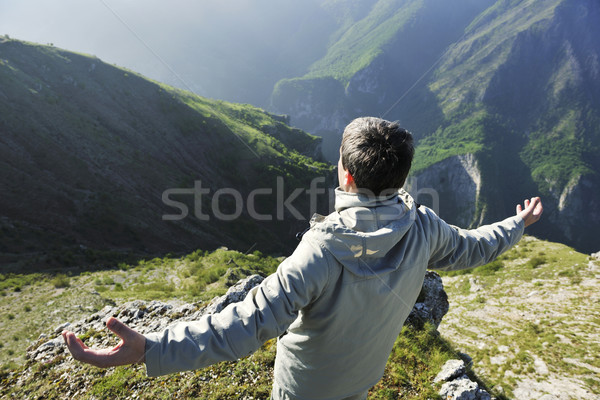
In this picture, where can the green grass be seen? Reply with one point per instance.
(462, 137)
(557, 152)
(417, 357)
(46, 301)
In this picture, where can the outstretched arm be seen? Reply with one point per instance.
(455, 248)
(129, 351)
(236, 331)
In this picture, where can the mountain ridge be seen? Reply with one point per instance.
(89, 151)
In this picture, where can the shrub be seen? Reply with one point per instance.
(489, 269)
(61, 281)
(536, 261)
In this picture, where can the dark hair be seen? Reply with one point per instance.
(377, 153)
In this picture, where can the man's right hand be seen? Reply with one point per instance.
(532, 211)
(130, 350)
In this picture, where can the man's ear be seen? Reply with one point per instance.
(348, 178)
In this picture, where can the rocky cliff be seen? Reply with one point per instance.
(451, 188)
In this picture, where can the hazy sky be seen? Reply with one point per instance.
(148, 36)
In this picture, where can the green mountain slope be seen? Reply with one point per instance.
(88, 151)
(513, 83)
(363, 41)
(530, 65)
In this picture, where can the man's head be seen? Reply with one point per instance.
(375, 155)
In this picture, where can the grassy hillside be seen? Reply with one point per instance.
(88, 151)
(528, 321)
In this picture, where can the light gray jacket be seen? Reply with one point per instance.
(339, 301)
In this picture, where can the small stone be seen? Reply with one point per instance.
(463, 389)
(540, 366)
(451, 370)
(498, 360)
(61, 327)
(475, 285)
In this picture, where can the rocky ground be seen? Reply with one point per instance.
(531, 326)
(51, 373)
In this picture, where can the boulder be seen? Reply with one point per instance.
(463, 389)
(457, 385)
(432, 303)
(450, 371)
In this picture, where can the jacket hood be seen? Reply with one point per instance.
(365, 233)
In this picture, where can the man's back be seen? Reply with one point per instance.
(366, 265)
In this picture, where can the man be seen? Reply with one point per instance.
(339, 301)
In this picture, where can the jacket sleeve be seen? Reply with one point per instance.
(453, 248)
(241, 328)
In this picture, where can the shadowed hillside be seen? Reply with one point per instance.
(88, 151)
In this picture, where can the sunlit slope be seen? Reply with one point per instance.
(528, 320)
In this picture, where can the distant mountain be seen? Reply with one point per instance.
(503, 97)
(96, 160)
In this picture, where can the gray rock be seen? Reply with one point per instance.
(432, 303)
(62, 327)
(463, 389)
(596, 255)
(47, 349)
(451, 370)
(235, 293)
(457, 180)
(183, 310)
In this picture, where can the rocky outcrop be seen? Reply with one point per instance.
(451, 188)
(432, 303)
(156, 316)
